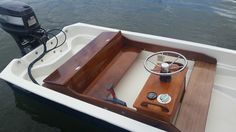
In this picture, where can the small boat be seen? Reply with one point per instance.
(135, 81)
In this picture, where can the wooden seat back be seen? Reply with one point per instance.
(80, 70)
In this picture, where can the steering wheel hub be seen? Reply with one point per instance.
(165, 67)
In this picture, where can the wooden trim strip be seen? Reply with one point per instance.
(194, 109)
(130, 113)
(190, 55)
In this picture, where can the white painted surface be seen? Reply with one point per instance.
(222, 113)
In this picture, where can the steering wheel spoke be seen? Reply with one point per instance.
(175, 67)
(161, 58)
(174, 60)
(156, 64)
(157, 69)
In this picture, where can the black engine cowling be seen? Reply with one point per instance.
(20, 21)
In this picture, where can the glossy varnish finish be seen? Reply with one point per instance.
(79, 61)
(190, 55)
(103, 62)
(174, 88)
(194, 109)
(120, 58)
(167, 126)
(96, 65)
(113, 72)
(79, 71)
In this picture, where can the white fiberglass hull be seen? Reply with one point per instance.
(222, 109)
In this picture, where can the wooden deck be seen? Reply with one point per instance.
(194, 109)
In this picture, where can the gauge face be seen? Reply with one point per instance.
(164, 98)
(151, 95)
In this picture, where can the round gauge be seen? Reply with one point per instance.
(151, 95)
(164, 98)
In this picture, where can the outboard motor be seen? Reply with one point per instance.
(19, 20)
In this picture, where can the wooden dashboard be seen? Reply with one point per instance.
(175, 89)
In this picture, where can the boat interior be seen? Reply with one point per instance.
(146, 81)
(108, 72)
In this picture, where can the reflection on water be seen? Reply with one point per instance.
(226, 10)
(205, 21)
(211, 22)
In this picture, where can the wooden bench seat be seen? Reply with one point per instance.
(102, 62)
(193, 113)
(113, 72)
(84, 58)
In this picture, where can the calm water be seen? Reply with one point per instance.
(211, 22)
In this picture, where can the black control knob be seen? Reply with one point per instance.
(151, 95)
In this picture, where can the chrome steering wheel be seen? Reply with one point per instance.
(165, 63)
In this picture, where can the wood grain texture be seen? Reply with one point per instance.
(113, 72)
(190, 55)
(65, 72)
(174, 88)
(86, 75)
(120, 59)
(106, 59)
(194, 109)
(127, 112)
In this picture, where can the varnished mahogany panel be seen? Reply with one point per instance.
(68, 70)
(194, 109)
(190, 55)
(113, 72)
(86, 75)
(174, 88)
(104, 61)
(155, 122)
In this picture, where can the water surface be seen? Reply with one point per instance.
(210, 22)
